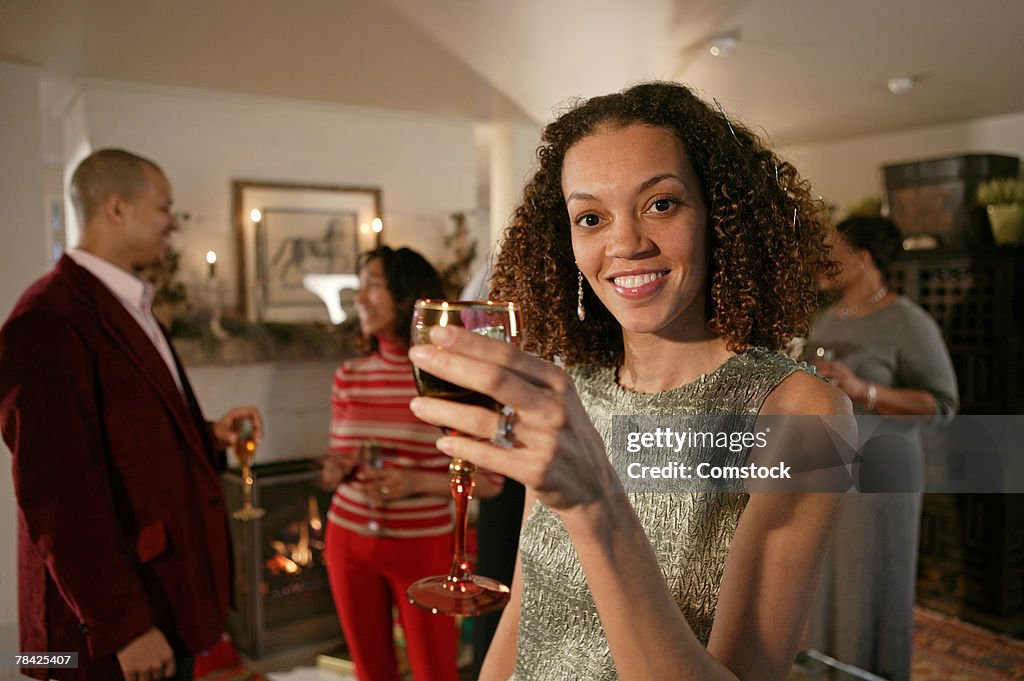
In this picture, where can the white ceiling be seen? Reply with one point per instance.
(804, 70)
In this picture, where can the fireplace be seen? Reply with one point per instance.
(282, 595)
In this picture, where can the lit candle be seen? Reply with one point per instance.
(211, 260)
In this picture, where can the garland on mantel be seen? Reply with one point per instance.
(262, 342)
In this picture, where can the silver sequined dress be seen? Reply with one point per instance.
(560, 634)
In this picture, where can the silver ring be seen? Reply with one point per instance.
(385, 490)
(504, 430)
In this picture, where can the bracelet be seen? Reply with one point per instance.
(872, 395)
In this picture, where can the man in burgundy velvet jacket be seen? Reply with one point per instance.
(123, 551)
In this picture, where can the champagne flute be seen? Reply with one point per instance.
(460, 592)
(371, 460)
(245, 452)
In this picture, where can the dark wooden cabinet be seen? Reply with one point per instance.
(977, 299)
(971, 559)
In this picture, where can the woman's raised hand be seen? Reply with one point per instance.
(556, 452)
(843, 377)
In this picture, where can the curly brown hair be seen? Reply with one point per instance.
(766, 232)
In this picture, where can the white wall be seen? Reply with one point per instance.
(23, 258)
(513, 162)
(75, 147)
(294, 398)
(424, 165)
(846, 171)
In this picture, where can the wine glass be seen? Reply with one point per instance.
(820, 355)
(460, 592)
(245, 452)
(370, 461)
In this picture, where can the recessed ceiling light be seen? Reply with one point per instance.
(901, 85)
(722, 44)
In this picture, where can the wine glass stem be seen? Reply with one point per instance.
(247, 487)
(462, 484)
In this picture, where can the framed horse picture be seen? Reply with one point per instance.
(300, 246)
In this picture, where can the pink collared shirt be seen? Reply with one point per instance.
(136, 295)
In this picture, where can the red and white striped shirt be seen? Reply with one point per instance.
(370, 401)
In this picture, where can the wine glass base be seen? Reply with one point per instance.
(477, 595)
(251, 513)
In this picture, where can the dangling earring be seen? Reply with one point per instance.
(581, 311)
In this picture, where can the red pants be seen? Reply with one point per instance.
(370, 574)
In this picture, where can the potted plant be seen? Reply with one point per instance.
(1004, 201)
(169, 291)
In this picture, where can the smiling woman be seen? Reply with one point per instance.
(665, 256)
(638, 227)
(390, 521)
(764, 240)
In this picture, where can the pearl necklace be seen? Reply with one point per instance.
(844, 312)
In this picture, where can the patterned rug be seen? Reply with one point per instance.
(946, 649)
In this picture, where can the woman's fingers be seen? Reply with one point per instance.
(461, 341)
(554, 444)
(476, 429)
(376, 489)
(479, 375)
(509, 375)
(536, 389)
(561, 480)
(484, 455)
(467, 419)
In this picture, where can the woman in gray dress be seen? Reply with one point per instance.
(888, 355)
(663, 254)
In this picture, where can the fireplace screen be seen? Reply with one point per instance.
(283, 599)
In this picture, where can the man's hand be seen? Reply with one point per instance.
(147, 658)
(225, 429)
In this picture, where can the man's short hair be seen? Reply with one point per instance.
(106, 172)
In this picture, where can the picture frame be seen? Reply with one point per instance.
(290, 234)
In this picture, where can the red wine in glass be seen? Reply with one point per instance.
(429, 385)
(461, 592)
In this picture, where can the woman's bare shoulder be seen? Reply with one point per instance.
(804, 393)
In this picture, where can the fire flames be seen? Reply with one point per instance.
(292, 557)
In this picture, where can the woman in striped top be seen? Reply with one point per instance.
(389, 525)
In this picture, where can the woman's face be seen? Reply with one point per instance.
(374, 305)
(639, 227)
(853, 262)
